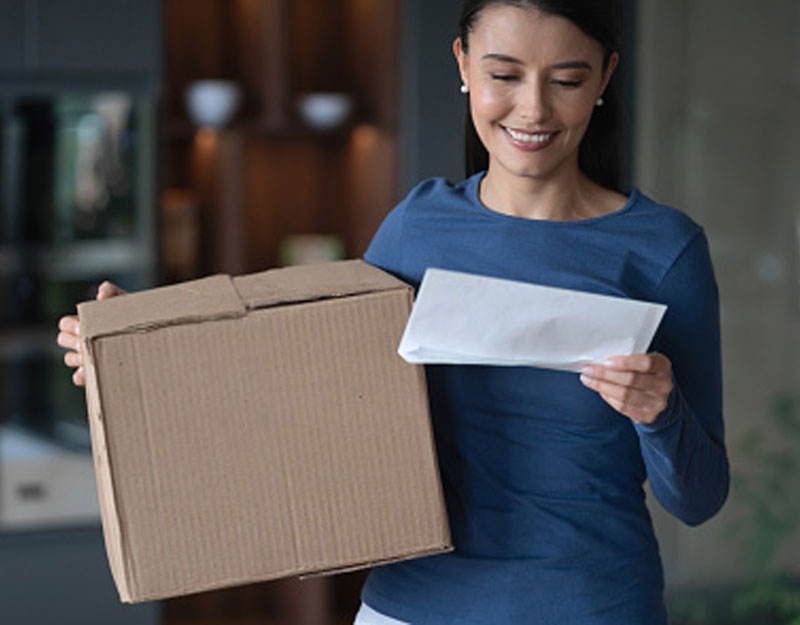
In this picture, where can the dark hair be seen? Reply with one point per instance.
(600, 151)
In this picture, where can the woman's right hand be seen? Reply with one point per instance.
(69, 334)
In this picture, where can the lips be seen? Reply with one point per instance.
(529, 141)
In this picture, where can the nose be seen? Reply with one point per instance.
(534, 103)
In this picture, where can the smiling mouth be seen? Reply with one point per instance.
(530, 138)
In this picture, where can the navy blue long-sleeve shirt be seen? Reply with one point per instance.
(543, 480)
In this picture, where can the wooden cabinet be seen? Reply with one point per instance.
(268, 175)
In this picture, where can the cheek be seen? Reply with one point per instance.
(578, 113)
(489, 104)
(581, 121)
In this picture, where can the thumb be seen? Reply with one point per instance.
(106, 290)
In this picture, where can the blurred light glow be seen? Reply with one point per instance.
(205, 140)
(365, 137)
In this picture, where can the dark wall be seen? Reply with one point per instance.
(433, 107)
(627, 76)
(70, 45)
(62, 576)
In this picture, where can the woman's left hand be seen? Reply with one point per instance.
(638, 386)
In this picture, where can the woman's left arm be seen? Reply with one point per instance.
(674, 395)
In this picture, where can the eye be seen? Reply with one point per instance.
(568, 84)
(504, 77)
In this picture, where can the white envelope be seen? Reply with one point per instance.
(460, 318)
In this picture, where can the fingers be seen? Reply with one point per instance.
(107, 289)
(642, 363)
(629, 400)
(69, 337)
(73, 359)
(70, 325)
(637, 386)
(68, 340)
(657, 382)
(70, 332)
(646, 412)
(78, 378)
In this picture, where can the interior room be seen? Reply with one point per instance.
(152, 142)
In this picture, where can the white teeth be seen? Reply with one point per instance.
(529, 138)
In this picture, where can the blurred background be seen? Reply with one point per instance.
(153, 141)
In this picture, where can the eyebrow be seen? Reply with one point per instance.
(493, 56)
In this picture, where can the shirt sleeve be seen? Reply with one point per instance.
(386, 249)
(684, 449)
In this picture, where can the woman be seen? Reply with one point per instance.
(543, 470)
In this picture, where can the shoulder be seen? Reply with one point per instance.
(428, 200)
(663, 232)
(390, 245)
(671, 225)
(427, 194)
(436, 192)
(688, 271)
(652, 238)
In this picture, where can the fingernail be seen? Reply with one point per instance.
(610, 362)
(586, 380)
(588, 370)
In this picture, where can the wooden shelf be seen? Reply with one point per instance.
(268, 175)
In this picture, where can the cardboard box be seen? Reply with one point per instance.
(259, 427)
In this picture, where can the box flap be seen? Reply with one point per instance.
(208, 298)
(313, 282)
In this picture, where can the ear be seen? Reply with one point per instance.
(462, 60)
(613, 61)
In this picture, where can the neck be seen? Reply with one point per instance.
(566, 195)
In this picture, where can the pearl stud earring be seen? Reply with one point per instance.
(464, 89)
(600, 101)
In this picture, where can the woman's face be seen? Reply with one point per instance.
(534, 80)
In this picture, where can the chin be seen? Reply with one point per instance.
(536, 168)
(527, 170)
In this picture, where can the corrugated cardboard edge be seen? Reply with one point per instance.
(420, 369)
(291, 572)
(112, 527)
(432, 551)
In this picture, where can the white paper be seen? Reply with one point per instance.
(461, 318)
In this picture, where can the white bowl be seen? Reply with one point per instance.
(325, 111)
(212, 103)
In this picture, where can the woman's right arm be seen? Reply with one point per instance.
(69, 334)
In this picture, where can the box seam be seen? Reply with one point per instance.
(284, 303)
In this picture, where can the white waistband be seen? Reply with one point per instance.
(367, 616)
